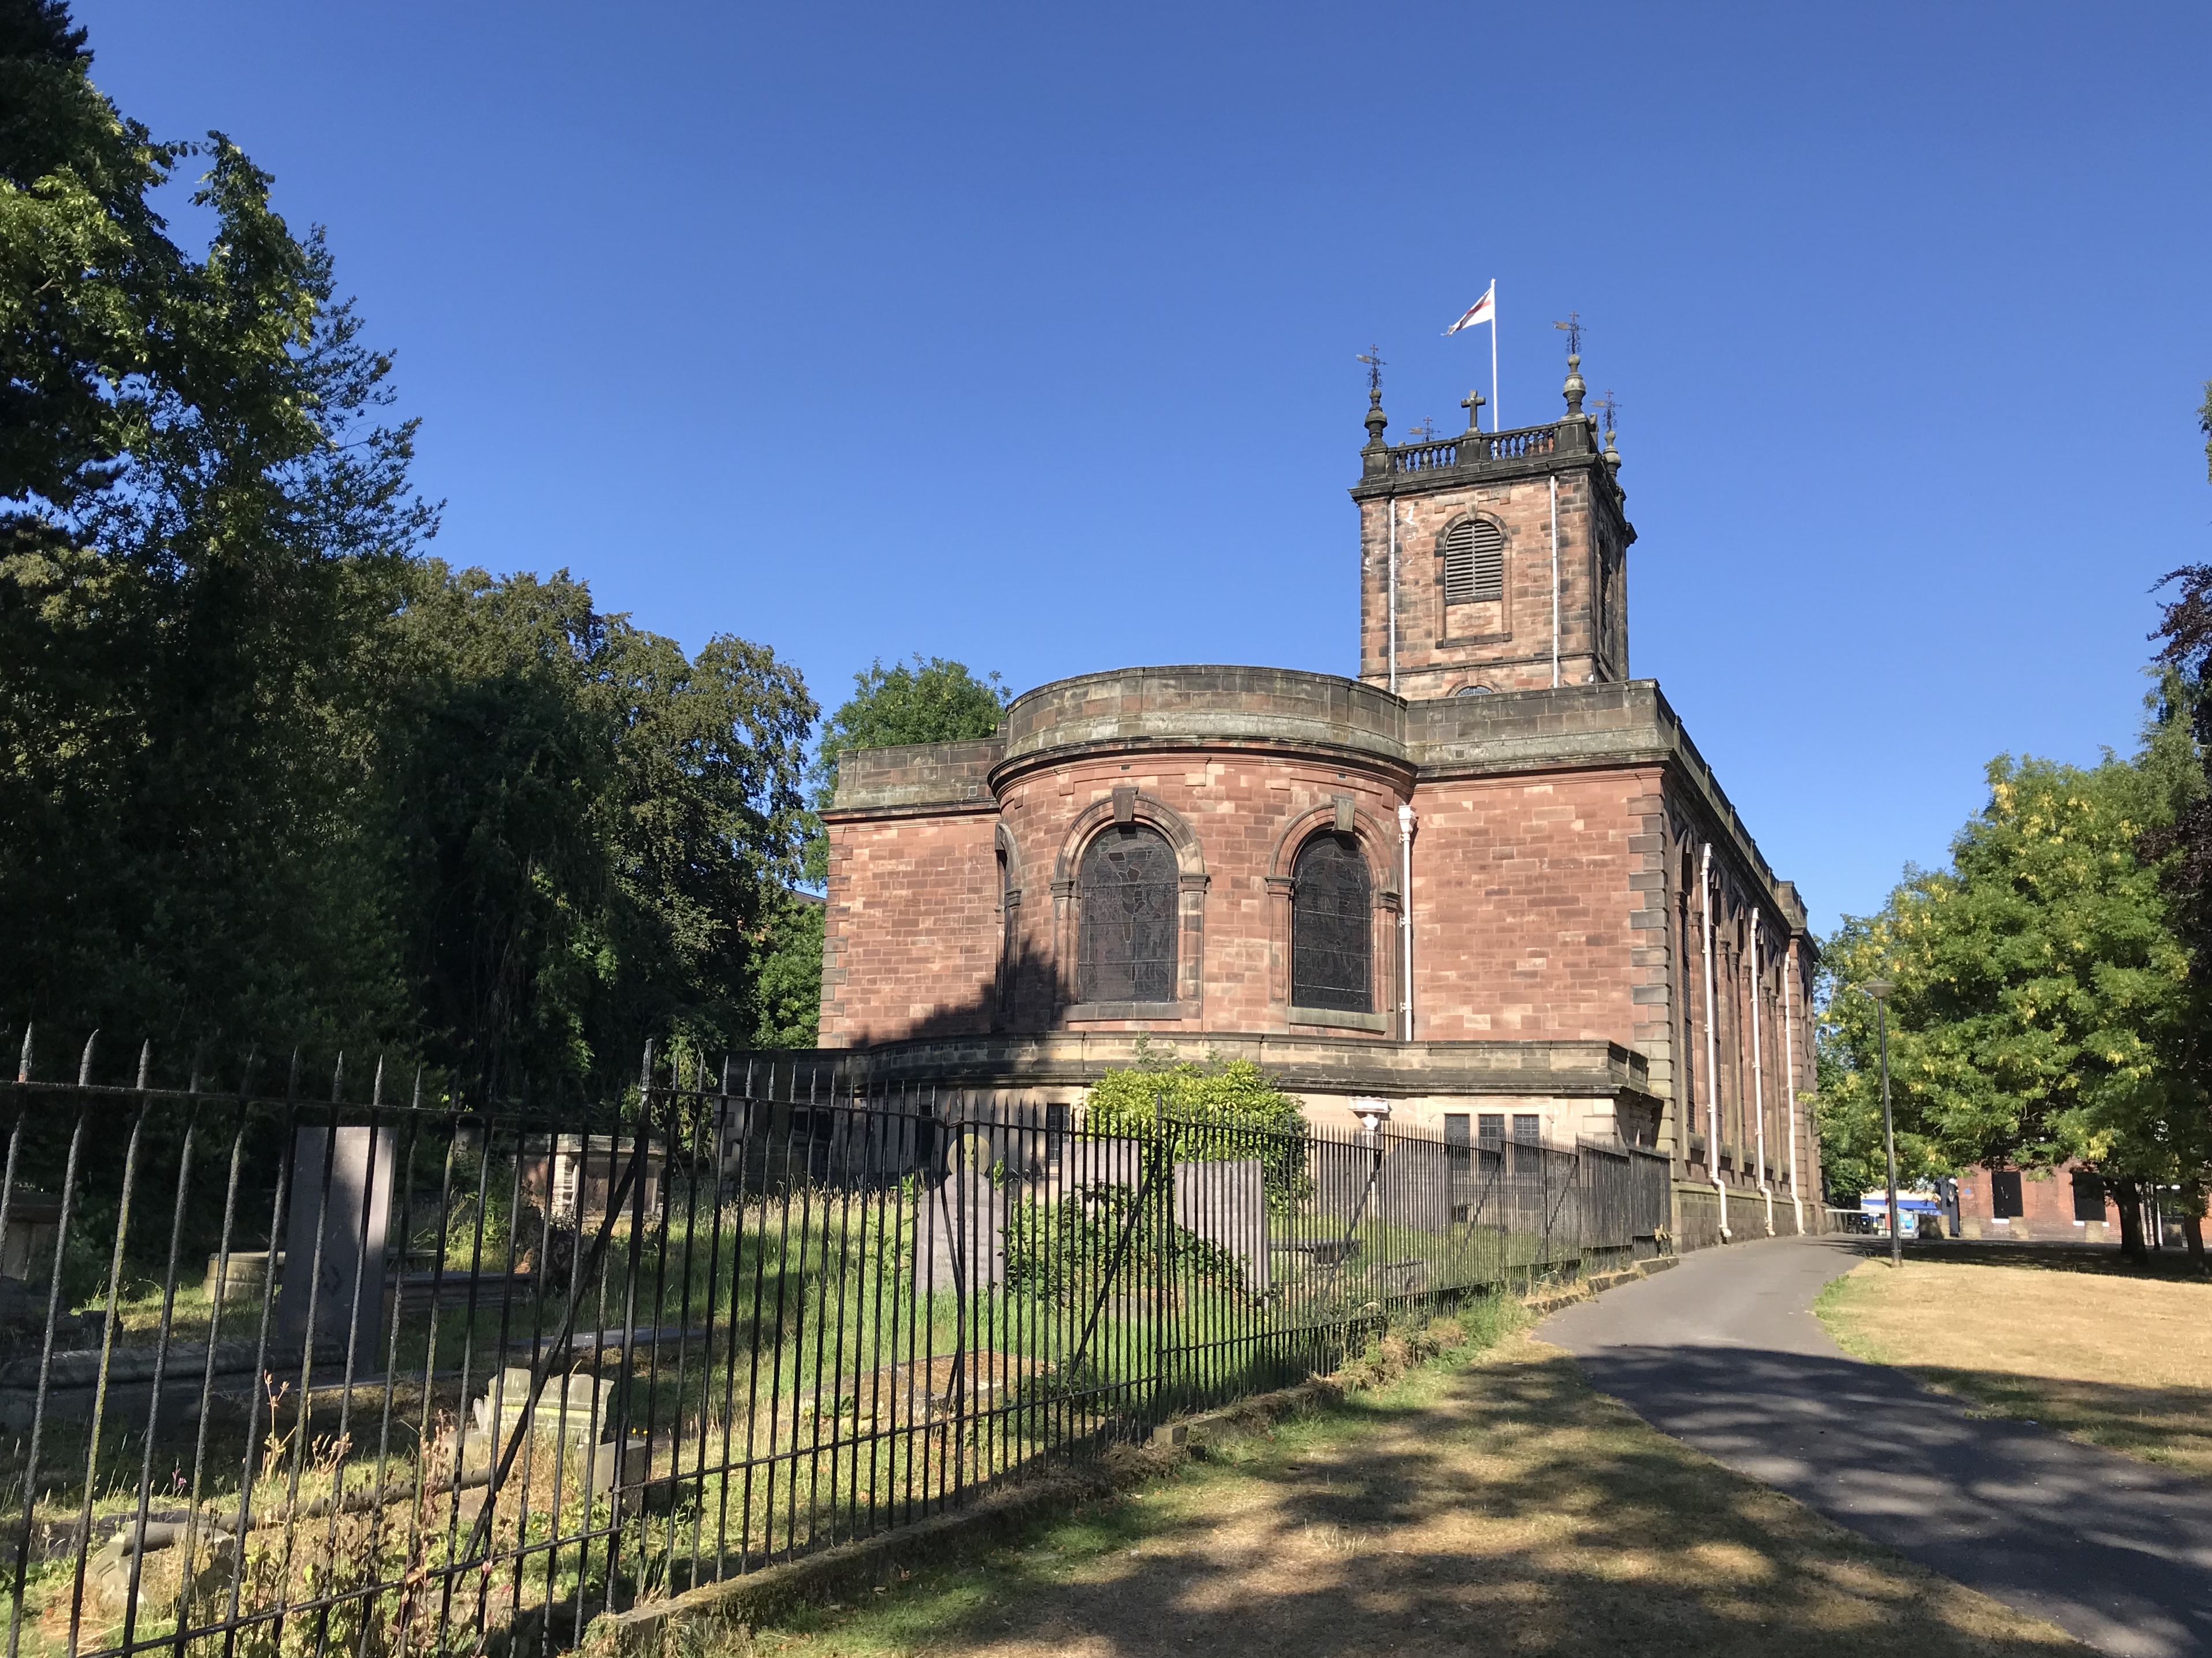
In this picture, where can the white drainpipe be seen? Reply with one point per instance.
(1790, 1082)
(1758, 1081)
(1712, 1056)
(1394, 595)
(1555, 582)
(1405, 822)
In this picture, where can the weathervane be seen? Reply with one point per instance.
(1611, 405)
(1372, 356)
(1573, 330)
(1425, 431)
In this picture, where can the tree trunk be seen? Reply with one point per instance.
(2128, 1198)
(2192, 1225)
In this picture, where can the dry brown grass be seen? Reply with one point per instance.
(2125, 1362)
(1500, 1505)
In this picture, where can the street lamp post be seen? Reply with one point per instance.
(1879, 989)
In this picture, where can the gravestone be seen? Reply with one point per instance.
(350, 1221)
(1226, 1203)
(961, 1246)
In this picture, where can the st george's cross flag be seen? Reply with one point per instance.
(1483, 310)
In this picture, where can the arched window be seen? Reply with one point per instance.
(1009, 914)
(1474, 562)
(1332, 930)
(1125, 949)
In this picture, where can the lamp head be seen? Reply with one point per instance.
(1372, 1114)
(1878, 988)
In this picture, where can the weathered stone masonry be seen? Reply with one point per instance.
(1569, 850)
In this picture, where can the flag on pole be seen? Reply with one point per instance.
(1483, 310)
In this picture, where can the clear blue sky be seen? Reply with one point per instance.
(1025, 335)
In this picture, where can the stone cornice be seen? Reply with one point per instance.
(1345, 722)
(1349, 1063)
(1475, 458)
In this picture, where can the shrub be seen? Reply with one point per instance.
(1061, 1251)
(1222, 1110)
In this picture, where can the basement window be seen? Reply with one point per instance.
(2004, 1194)
(2088, 1196)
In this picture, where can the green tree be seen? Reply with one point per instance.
(267, 774)
(2184, 849)
(591, 829)
(2037, 981)
(928, 700)
(202, 519)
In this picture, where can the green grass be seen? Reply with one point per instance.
(1406, 1367)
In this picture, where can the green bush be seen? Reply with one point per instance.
(1222, 1110)
(1061, 1251)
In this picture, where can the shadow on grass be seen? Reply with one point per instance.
(1504, 1505)
(2104, 1258)
(2169, 1425)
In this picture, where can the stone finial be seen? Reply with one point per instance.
(1473, 403)
(1611, 454)
(1575, 387)
(1377, 420)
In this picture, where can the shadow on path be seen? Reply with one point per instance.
(1723, 1353)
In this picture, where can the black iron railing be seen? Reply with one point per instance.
(365, 1372)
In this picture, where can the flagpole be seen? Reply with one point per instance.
(1496, 422)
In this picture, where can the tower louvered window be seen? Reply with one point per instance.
(1475, 562)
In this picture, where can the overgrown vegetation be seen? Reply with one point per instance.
(267, 772)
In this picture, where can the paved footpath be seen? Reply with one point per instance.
(1724, 1353)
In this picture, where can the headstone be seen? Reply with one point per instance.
(961, 1246)
(1226, 1203)
(352, 1254)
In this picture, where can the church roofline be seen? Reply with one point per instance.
(1224, 709)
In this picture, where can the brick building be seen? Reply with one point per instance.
(1490, 879)
(2067, 1205)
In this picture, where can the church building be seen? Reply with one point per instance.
(1490, 881)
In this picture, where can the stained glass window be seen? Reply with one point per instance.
(1332, 933)
(1127, 943)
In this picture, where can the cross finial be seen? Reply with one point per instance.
(1573, 329)
(1377, 451)
(1609, 406)
(1473, 403)
(1372, 356)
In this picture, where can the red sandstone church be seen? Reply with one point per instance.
(1490, 880)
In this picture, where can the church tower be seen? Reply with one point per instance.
(1509, 551)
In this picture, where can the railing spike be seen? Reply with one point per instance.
(145, 1061)
(376, 1089)
(416, 1101)
(337, 1079)
(23, 1065)
(84, 1065)
(199, 1052)
(292, 1078)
